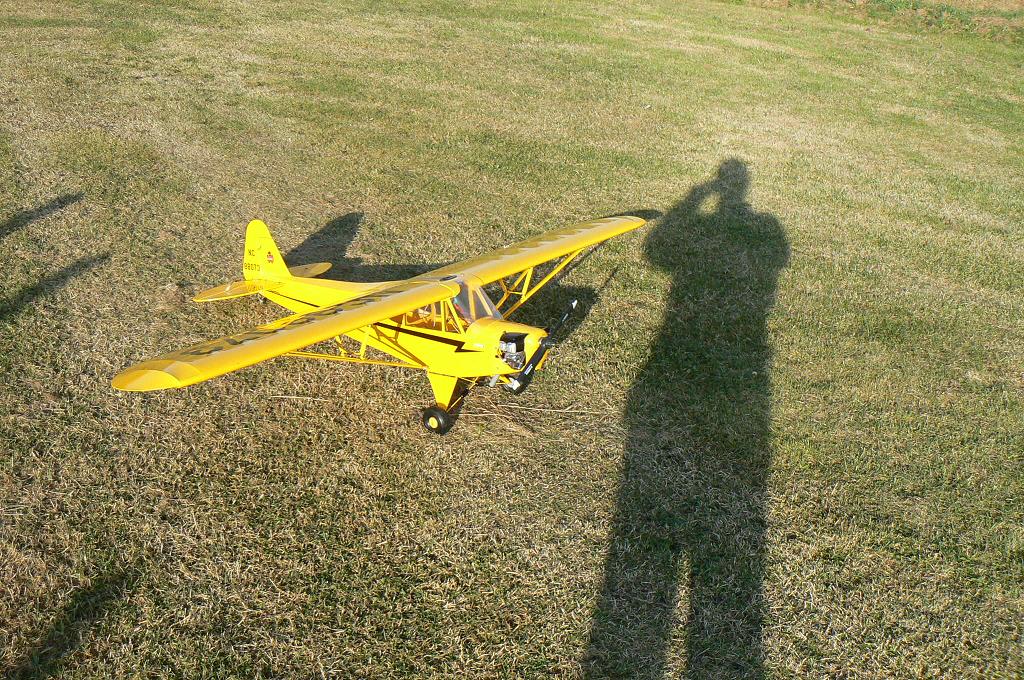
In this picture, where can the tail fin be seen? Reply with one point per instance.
(263, 267)
(262, 259)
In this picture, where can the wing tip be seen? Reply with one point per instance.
(144, 380)
(645, 214)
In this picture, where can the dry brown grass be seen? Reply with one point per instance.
(784, 440)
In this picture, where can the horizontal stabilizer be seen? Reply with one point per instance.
(237, 289)
(308, 271)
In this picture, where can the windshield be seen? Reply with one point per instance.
(473, 303)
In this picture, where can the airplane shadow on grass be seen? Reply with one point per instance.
(331, 242)
(70, 629)
(690, 516)
(9, 306)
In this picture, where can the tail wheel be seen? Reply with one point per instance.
(437, 420)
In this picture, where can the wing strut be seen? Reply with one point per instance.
(521, 287)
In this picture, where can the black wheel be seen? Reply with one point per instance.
(437, 420)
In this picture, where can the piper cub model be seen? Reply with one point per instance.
(441, 322)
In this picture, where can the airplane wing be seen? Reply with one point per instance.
(223, 355)
(545, 247)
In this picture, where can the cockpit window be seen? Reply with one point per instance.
(486, 307)
(473, 304)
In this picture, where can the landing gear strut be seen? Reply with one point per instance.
(518, 383)
(449, 391)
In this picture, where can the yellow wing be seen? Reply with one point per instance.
(217, 357)
(535, 251)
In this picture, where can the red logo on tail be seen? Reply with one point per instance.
(270, 257)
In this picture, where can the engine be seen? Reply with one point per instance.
(512, 347)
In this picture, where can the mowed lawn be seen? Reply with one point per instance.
(784, 439)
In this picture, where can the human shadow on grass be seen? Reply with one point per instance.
(70, 630)
(25, 217)
(48, 284)
(689, 524)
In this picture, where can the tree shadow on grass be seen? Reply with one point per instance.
(13, 304)
(690, 516)
(70, 629)
(25, 217)
(58, 279)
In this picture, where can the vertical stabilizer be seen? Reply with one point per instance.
(262, 259)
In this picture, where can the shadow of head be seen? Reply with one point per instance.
(23, 218)
(71, 627)
(714, 229)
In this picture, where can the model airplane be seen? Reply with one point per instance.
(441, 322)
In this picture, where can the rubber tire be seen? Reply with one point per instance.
(437, 420)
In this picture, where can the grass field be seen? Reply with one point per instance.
(995, 19)
(785, 440)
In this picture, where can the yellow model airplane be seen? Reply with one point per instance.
(441, 322)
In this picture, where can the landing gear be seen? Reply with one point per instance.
(448, 391)
(518, 383)
(437, 420)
